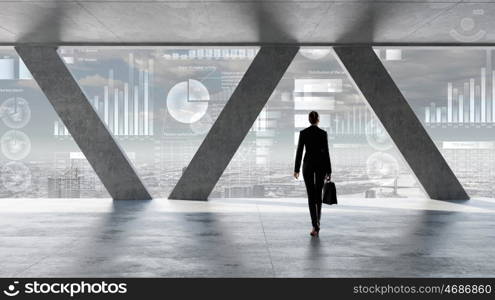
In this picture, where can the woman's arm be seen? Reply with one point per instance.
(328, 165)
(299, 152)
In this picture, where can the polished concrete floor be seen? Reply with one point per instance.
(245, 238)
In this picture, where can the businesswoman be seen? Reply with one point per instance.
(316, 166)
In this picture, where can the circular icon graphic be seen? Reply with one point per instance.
(203, 125)
(15, 112)
(381, 165)
(16, 177)
(377, 136)
(469, 31)
(467, 24)
(15, 145)
(314, 54)
(187, 101)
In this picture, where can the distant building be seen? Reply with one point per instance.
(258, 191)
(371, 193)
(67, 185)
(238, 192)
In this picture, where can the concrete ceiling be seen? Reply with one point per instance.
(246, 21)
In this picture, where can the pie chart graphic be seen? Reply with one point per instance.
(15, 145)
(203, 125)
(381, 165)
(15, 112)
(187, 101)
(16, 177)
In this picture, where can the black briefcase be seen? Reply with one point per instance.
(329, 193)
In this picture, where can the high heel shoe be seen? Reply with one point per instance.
(315, 231)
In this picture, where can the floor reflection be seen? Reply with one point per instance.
(107, 238)
(314, 254)
(162, 238)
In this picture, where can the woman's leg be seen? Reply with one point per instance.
(309, 180)
(319, 182)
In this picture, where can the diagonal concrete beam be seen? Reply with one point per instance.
(374, 82)
(90, 133)
(234, 122)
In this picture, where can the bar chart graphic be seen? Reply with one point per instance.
(468, 103)
(126, 109)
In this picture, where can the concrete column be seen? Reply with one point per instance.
(90, 133)
(233, 123)
(373, 81)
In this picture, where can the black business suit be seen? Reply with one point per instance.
(316, 166)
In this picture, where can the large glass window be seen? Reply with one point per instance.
(36, 160)
(364, 160)
(452, 91)
(159, 103)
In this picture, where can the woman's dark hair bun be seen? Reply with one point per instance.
(313, 117)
